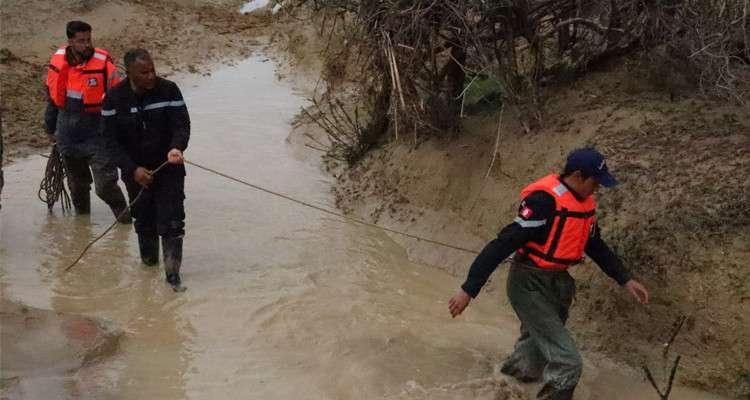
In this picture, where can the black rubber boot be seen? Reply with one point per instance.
(122, 213)
(81, 202)
(149, 247)
(172, 249)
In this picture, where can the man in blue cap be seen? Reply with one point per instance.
(555, 226)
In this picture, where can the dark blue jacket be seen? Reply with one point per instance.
(140, 130)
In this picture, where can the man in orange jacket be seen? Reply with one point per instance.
(77, 78)
(555, 226)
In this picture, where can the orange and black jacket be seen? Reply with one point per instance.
(75, 93)
(538, 238)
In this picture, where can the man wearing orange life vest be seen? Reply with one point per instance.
(555, 226)
(77, 78)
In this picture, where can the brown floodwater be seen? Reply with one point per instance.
(283, 302)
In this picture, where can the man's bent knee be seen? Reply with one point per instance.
(171, 229)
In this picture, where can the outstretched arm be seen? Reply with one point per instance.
(608, 261)
(531, 223)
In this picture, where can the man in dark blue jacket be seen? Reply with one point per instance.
(146, 124)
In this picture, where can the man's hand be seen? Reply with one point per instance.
(458, 303)
(51, 137)
(637, 290)
(174, 156)
(143, 176)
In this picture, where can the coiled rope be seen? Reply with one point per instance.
(52, 187)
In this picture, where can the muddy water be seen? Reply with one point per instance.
(283, 303)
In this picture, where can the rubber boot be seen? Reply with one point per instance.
(81, 202)
(122, 213)
(510, 369)
(148, 244)
(172, 249)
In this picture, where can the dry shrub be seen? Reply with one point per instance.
(419, 57)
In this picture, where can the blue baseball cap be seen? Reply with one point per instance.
(591, 163)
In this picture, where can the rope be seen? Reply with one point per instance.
(283, 196)
(52, 187)
(330, 212)
(122, 213)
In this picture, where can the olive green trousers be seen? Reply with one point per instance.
(545, 350)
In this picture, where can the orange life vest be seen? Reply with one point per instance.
(570, 228)
(81, 87)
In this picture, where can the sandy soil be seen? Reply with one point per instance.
(679, 218)
(182, 36)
